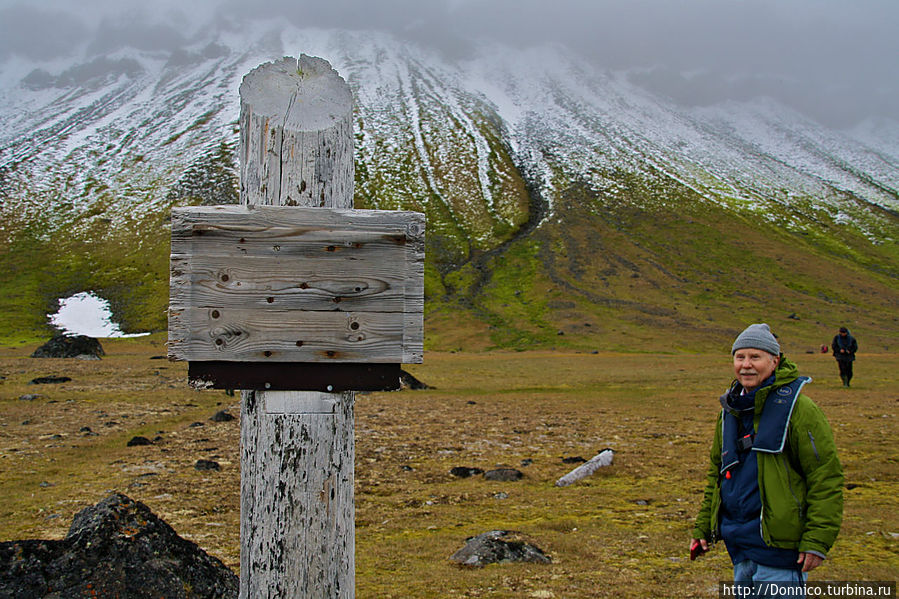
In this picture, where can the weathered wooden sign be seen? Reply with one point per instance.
(294, 286)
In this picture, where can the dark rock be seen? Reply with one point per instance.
(207, 465)
(222, 416)
(850, 486)
(196, 425)
(158, 357)
(526, 462)
(138, 441)
(498, 546)
(573, 460)
(29, 397)
(465, 471)
(49, 380)
(407, 381)
(70, 346)
(117, 548)
(504, 474)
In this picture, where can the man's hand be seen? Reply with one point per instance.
(809, 561)
(700, 544)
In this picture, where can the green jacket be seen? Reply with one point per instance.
(801, 488)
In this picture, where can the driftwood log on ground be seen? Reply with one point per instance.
(603, 458)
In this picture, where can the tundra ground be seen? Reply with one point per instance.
(621, 533)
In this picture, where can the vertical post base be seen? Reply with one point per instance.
(297, 508)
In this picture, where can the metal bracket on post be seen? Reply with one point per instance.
(294, 376)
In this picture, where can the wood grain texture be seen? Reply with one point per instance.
(283, 270)
(252, 335)
(297, 507)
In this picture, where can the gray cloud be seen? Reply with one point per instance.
(832, 59)
(37, 33)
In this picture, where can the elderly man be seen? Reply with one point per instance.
(775, 484)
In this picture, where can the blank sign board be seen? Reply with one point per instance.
(292, 284)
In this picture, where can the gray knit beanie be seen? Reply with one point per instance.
(757, 336)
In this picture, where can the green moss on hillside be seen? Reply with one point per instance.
(127, 265)
(658, 267)
(652, 267)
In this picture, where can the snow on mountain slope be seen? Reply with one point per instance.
(114, 133)
(594, 122)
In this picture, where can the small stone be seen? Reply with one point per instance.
(407, 381)
(29, 397)
(207, 465)
(465, 471)
(497, 546)
(222, 416)
(70, 346)
(49, 380)
(138, 441)
(573, 460)
(504, 474)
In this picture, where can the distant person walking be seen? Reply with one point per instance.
(844, 347)
(772, 447)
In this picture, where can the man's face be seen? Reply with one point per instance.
(752, 366)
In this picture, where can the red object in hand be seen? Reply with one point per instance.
(696, 550)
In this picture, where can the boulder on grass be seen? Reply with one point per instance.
(498, 546)
(70, 346)
(117, 548)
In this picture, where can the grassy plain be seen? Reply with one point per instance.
(621, 533)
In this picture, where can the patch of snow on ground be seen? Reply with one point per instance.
(86, 314)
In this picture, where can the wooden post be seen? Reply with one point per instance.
(297, 450)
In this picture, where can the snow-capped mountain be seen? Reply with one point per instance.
(128, 124)
(487, 146)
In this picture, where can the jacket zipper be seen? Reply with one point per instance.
(814, 447)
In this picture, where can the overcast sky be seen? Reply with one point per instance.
(837, 60)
